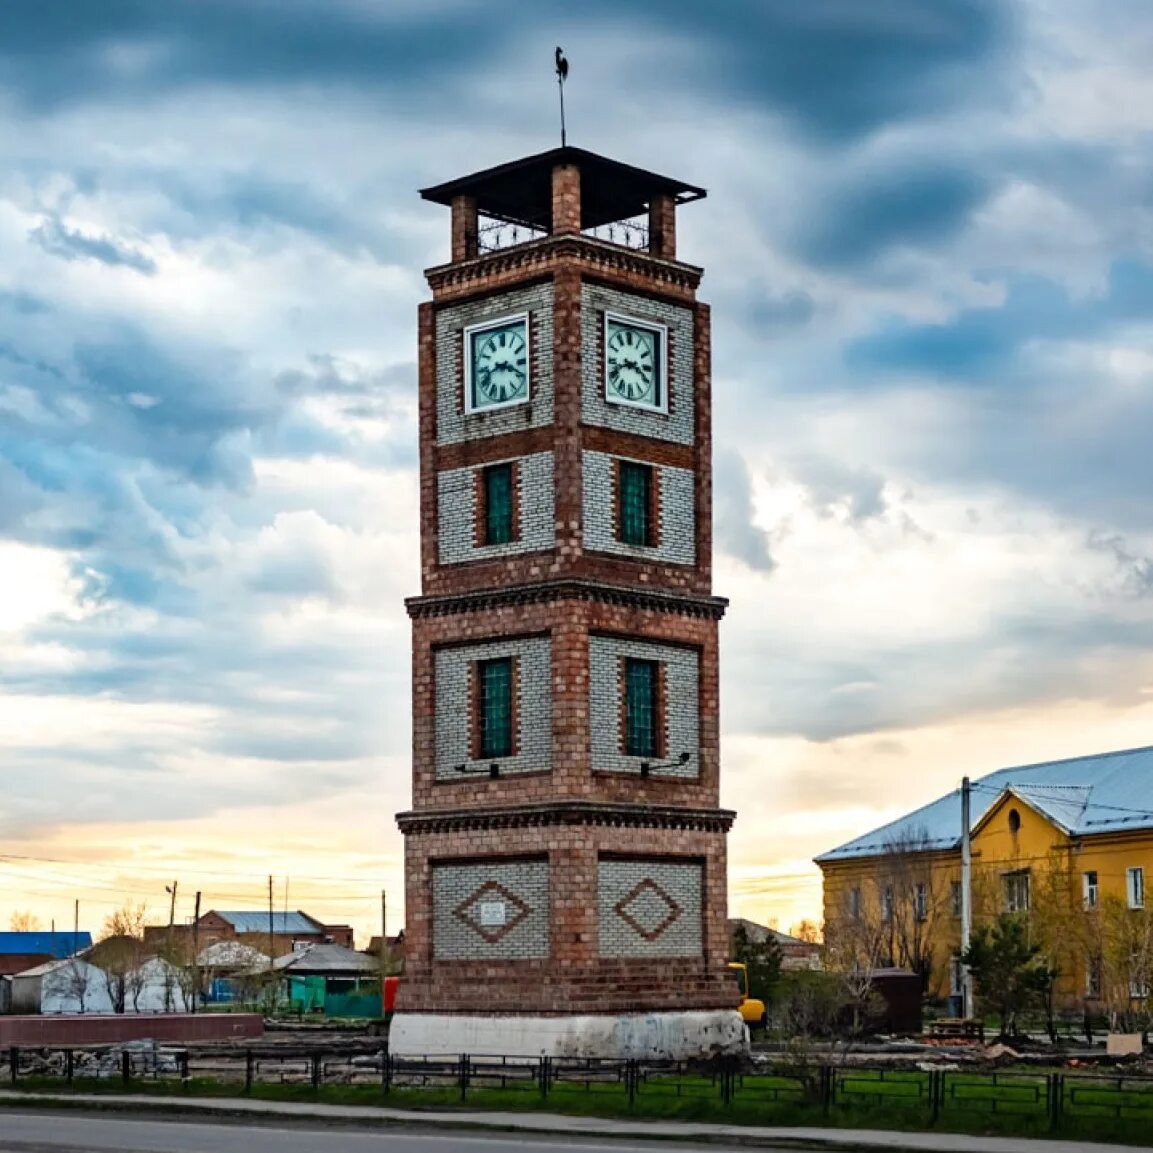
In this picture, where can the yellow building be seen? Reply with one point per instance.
(1067, 844)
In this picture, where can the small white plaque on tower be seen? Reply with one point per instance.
(492, 913)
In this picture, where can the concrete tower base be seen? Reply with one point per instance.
(643, 1036)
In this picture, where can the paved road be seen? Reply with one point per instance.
(56, 1132)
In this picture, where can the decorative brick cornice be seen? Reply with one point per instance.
(686, 604)
(536, 257)
(566, 813)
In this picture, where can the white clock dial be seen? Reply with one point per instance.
(632, 364)
(499, 365)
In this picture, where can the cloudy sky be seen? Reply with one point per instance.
(928, 244)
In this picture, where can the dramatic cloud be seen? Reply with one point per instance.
(928, 250)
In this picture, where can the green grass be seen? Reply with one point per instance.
(1008, 1105)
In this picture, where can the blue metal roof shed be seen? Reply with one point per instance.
(48, 944)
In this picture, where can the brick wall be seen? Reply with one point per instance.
(568, 623)
(453, 424)
(649, 908)
(680, 684)
(575, 977)
(458, 511)
(490, 910)
(679, 423)
(457, 706)
(676, 532)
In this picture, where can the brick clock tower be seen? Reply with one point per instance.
(565, 851)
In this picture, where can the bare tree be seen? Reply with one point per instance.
(856, 946)
(120, 956)
(74, 981)
(914, 896)
(24, 922)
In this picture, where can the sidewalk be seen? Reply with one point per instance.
(554, 1123)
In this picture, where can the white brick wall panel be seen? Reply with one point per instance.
(534, 706)
(522, 887)
(678, 424)
(457, 512)
(682, 704)
(453, 425)
(649, 908)
(677, 539)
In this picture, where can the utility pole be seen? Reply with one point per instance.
(966, 897)
(196, 953)
(271, 947)
(171, 916)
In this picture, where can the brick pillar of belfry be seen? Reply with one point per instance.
(663, 226)
(465, 228)
(566, 199)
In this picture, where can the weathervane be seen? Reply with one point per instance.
(561, 77)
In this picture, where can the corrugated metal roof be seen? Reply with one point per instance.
(1103, 793)
(53, 944)
(286, 923)
(327, 960)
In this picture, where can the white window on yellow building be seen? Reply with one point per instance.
(955, 897)
(1089, 888)
(1135, 887)
(887, 904)
(1016, 891)
(855, 903)
(921, 901)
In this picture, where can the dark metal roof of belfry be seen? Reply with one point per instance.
(520, 192)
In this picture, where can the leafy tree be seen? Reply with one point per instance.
(1007, 970)
(807, 931)
(763, 959)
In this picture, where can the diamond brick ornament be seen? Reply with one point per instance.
(492, 911)
(647, 909)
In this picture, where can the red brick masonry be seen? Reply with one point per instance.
(66, 1029)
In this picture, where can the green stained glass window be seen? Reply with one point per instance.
(494, 682)
(498, 504)
(641, 679)
(635, 499)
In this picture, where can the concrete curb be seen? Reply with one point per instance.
(556, 1124)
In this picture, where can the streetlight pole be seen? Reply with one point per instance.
(966, 897)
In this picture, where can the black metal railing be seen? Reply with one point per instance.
(1054, 1100)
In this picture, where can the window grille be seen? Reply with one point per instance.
(641, 679)
(498, 526)
(634, 500)
(495, 685)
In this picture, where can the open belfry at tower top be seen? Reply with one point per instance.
(565, 852)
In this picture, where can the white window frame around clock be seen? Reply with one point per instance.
(471, 330)
(663, 376)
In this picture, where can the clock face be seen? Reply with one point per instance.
(498, 359)
(633, 363)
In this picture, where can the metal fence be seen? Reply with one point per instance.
(1053, 1100)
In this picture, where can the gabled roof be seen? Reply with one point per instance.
(327, 960)
(46, 943)
(281, 923)
(1103, 793)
